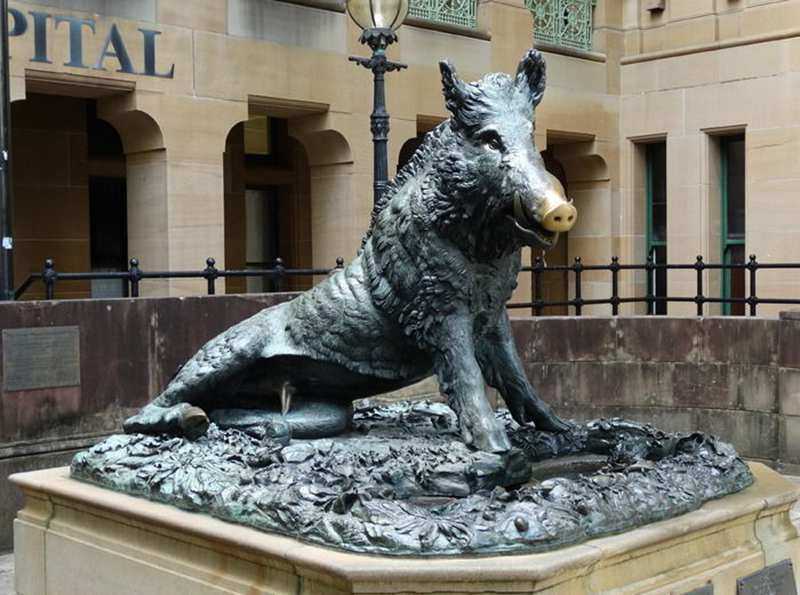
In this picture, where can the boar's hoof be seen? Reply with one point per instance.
(182, 419)
(193, 423)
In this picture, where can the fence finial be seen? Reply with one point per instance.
(211, 275)
(134, 276)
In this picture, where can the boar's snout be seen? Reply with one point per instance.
(553, 211)
(558, 215)
(546, 208)
(541, 208)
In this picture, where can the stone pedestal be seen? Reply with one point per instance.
(75, 538)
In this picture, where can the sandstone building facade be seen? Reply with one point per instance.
(173, 131)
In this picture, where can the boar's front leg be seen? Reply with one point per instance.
(503, 370)
(461, 381)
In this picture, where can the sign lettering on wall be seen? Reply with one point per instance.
(113, 48)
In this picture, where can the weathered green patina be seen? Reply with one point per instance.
(426, 294)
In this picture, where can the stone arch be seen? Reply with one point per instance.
(147, 189)
(422, 126)
(589, 186)
(138, 130)
(267, 203)
(340, 195)
(555, 285)
(325, 147)
(58, 128)
(408, 149)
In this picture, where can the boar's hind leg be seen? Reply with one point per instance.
(461, 381)
(503, 370)
(206, 380)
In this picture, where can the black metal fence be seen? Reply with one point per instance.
(135, 275)
(578, 302)
(279, 273)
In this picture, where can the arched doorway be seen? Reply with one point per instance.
(408, 149)
(267, 204)
(424, 126)
(555, 285)
(70, 193)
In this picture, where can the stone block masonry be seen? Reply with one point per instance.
(128, 351)
(734, 377)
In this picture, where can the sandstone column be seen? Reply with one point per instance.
(341, 185)
(174, 148)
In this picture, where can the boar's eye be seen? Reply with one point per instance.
(492, 139)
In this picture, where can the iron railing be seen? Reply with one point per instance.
(700, 299)
(566, 23)
(453, 12)
(135, 275)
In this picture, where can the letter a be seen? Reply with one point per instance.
(120, 52)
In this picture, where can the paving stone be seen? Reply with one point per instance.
(7, 574)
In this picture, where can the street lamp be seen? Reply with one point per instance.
(378, 20)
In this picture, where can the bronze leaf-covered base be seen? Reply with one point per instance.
(402, 482)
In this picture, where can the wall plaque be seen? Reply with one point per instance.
(776, 579)
(41, 357)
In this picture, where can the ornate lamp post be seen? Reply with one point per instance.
(378, 20)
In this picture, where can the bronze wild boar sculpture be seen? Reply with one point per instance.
(426, 293)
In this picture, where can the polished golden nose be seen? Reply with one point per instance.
(559, 217)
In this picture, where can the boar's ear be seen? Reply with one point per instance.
(531, 76)
(454, 89)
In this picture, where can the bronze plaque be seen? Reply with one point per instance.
(41, 357)
(777, 579)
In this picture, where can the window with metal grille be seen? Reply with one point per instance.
(453, 12)
(567, 23)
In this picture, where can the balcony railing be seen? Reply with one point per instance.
(463, 13)
(566, 23)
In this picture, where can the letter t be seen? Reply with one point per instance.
(75, 38)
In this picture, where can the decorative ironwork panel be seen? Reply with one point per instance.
(566, 23)
(453, 12)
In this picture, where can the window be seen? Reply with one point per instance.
(451, 12)
(656, 234)
(733, 222)
(567, 23)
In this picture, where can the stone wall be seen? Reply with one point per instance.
(129, 348)
(236, 59)
(690, 75)
(684, 25)
(736, 377)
